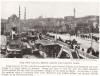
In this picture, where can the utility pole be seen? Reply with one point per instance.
(91, 32)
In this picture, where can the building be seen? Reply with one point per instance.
(13, 21)
(87, 24)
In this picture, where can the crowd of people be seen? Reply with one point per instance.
(73, 44)
(89, 36)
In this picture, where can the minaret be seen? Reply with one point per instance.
(19, 12)
(19, 20)
(25, 14)
(74, 12)
(75, 21)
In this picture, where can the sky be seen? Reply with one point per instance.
(48, 9)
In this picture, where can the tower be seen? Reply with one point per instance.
(74, 12)
(25, 14)
(19, 27)
(19, 12)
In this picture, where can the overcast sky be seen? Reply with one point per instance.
(49, 9)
